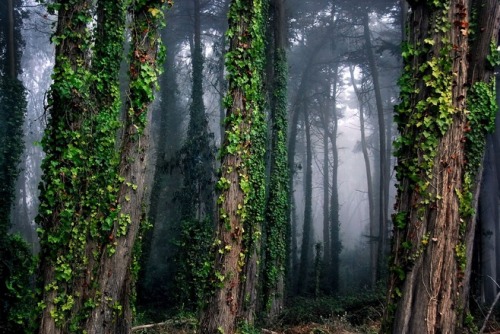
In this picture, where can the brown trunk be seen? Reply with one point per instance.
(73, 51)
(426, 272)
(223, 306)
(114, 277)
(488, 17)
(236, 219)
(11, 45)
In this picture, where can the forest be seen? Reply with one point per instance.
(249, 166)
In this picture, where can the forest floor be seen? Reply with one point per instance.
(351, 315)
(329, 327)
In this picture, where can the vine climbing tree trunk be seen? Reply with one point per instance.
(241, 184)
(435, 204)
(91, 201)
(276, 227)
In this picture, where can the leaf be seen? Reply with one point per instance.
(154, 11)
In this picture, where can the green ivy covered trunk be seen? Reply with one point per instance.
(241, 183)
(442, 127)
(276, 229)
(91, 194)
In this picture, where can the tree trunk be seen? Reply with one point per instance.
(294, 259)
(437, 161)
(336, 245)
(277, 211)
(91, 198)
(326, 200)
(242, 169)
(488, 18)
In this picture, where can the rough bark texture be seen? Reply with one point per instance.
(115, 278)
(92, 196)
(240, 183)
(427, 277)
(480, 70)
(72, 51)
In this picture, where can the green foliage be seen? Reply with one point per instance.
(494, 56)
(245, 328)
(17, 289)
(194, 263)
(276, 224)
(79, 214)
(481, 102)
(358, 308)
(245, 135)
(80, 184)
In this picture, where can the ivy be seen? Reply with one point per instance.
(246, 129)
(276, 225)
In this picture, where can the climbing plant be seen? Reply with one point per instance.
(443, 116)
(82, 215)
(241, 182)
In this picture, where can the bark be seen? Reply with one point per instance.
(11, 45)
(488, 18)
(428, 273)
(73, 51)
(294, 260)
(242, 171)
(114, 276)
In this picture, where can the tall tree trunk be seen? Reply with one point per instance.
(326, 200)
(241, 197)
(488, 18)
(117, 273)
(306, 248)
(161, 213)
(436, 170)
(369, 181)
(70, 54)
(336, 245)
(383, 176)
(91, 198)
(277, 211)
(292, 215)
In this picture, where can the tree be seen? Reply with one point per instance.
(276, 224)
(383, 160)
(439, 152)
(240, 200)
(91, 200)
(366, 157)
